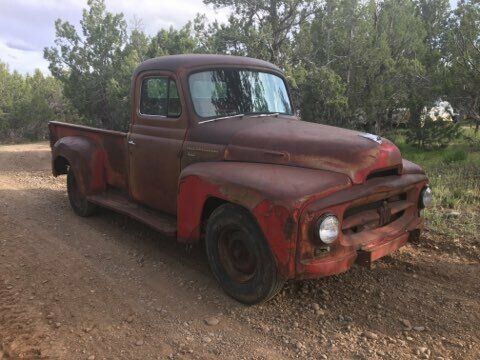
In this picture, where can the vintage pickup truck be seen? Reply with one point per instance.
(215, 153)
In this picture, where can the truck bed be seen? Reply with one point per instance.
(111, 145)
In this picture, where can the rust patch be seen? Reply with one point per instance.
(289, 227)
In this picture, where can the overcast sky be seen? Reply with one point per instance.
(27, 26)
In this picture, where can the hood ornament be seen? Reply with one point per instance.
(372, 137)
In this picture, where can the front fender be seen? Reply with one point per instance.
(85, 158)
(273, 194)
(409, 167)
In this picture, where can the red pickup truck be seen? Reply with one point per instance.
(215, 153)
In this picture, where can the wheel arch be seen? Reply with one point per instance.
(209, 206)
(84, 157)
(60, 165)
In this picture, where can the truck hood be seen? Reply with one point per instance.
(291, 142)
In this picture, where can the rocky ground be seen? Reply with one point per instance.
(107, 287)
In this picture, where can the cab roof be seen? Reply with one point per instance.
(174, 63)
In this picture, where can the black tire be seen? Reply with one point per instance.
(79, 203)
(414, 236)
(239, 256)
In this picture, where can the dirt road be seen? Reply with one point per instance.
(107, 287)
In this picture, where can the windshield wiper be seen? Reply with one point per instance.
(264, 114)
(221, 118)
(239, 115)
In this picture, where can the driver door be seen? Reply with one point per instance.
(155, 141)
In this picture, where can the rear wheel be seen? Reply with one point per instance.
(239, 256)
(79, 203)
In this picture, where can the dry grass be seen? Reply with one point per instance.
(454, 174)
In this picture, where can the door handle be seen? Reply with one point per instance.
(131, 142)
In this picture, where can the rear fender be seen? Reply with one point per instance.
(85, 158)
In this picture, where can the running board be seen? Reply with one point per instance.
(161, 222)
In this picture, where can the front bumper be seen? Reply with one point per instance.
(364, 247)
(365, 255)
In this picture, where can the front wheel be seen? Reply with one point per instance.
(239, 256)
(79, 203)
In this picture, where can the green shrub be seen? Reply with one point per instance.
(454, 156)
(433, 134)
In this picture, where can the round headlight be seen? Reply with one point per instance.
(328, 229)
(426, 197)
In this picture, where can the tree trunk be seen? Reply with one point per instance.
(274, 23)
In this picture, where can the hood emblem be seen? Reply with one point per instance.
(372, 137)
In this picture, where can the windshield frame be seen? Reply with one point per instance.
(202, 119)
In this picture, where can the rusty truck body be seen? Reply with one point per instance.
(215, 153)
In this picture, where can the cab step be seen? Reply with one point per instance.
(165, 224)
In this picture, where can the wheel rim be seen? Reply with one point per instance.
(236, 258)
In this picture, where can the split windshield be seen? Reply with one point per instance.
(230, 92)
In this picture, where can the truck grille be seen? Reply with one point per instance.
(383, 173)
(374, 214)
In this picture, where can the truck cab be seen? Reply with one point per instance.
(215, 153)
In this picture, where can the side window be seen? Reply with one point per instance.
(174, 108)
(159, 96)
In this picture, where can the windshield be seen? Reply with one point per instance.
(229, 92)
